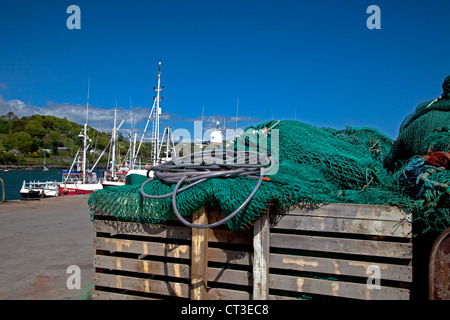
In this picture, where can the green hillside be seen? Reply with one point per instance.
(24, 141)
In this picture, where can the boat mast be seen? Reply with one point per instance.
(154, 114)
(114, 140)
(85, 133)
(132, 148)
(158, 112)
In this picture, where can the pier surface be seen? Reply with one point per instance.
(39, 240)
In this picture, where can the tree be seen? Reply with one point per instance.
(10, 142)
(55, 145)
(10, 158)
(23, 136)
(4, 125)
(18, 124)
(35, 129)
(29, 146)
(48, 124)
(26, 147)
(55, 135)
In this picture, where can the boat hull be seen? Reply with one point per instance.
(39, 189)
(112, 184)
(74, 189)
(137, 176)
(30, 194)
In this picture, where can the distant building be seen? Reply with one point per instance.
(15, 152)
(10, 116)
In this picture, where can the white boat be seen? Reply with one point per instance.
(39, 189)
(75, 182)
(115, 178)
(115, 174)
(44, 167)
(81, 180)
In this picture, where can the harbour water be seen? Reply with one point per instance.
(14, 178)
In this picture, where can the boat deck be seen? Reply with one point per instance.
(39, 240)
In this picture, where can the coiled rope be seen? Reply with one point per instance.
(200, 166)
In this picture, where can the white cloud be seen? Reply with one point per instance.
(19, 107)
(102, 119)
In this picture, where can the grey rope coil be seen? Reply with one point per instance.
(201, 166)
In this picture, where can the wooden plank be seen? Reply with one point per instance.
(336, 288)
(105, 295)
(142, 266)
(340, 267)
(230, 256)
(199, 257)
(342, 245)
(261, 246)
(141, 229)
(142, 247)
(238, 277)
(142, 285)
(351, 211)
(227, 294)
(344, 225)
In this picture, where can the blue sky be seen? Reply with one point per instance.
(315, 61)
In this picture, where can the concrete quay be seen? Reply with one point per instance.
(39, 240)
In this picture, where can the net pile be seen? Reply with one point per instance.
(316, 165)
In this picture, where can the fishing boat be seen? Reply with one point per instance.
(115, 174)
(138, 172)
(114, 178)
(39, 189)
(81, 180)
(77, 182)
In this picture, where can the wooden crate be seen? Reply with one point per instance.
(327, 251)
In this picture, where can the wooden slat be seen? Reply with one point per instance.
(261, 245)
(352, 211)
(140, 229)
(239, 250)
(230, 256)
(344, 225)
(142, 285)
(199, 258)
(238, 277)
(227, 294)
(142, 266)
(336, 288)
(342, 245)
(340, 267)
(142, 247)
(105, 295)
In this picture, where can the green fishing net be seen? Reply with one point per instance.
(314, 165)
